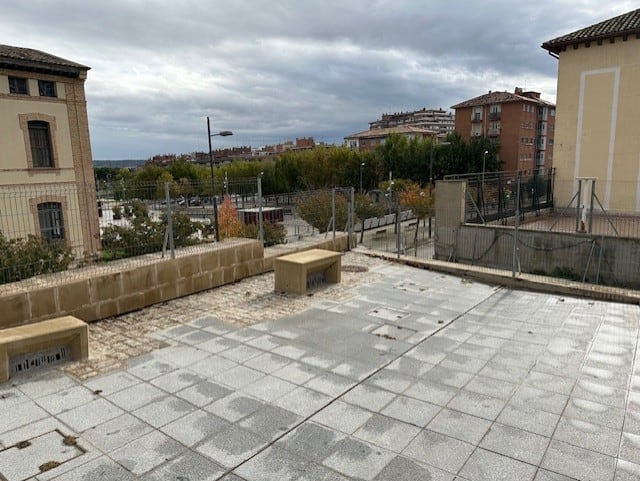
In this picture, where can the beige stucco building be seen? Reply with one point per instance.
(372, 138)
(47, 186)
(598, 112)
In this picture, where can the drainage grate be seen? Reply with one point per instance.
(315, 279)
(394, 333)
(407, 286)
(33, 456)
(354, 268)
(388, 314)
(38, 359)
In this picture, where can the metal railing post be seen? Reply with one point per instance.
(351, 217)
(333, 211)
(260, 220)
(167, 197)
(515, 230)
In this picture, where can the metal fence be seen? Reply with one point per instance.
(579, 239)
(510, 222)
(496, 196)
(398, 231)
(64, 227)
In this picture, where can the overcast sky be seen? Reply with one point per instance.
(273, 70)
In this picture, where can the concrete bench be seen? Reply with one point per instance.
(39, 336)
(293, 270)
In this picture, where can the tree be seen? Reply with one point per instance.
(166, 177)
(419, 200)
(228, 223)
(316, 209)
(460, 157)
(367, 208)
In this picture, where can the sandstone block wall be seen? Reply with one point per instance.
(109, 294)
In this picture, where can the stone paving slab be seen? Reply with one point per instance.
(396, 374)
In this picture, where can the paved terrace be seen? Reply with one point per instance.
(396, 374)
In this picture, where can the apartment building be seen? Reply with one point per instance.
(520, 122)
(370, 139)
(47, 185)
(599, 111)
(438, 120)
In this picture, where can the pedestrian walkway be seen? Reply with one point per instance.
(396, 374)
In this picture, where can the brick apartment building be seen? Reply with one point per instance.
(438, 120)
(521, 122)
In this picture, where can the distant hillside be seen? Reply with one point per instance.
(118, 164)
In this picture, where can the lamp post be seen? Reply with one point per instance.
(223, 133)
(484, 159)
(362, 164)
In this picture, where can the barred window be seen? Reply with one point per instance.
(40, 139)
(51, 221)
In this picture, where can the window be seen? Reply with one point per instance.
(40, 141)
(51, 221)
(46, 88)
(18, 85)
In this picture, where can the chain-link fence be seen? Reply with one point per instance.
(52, 228)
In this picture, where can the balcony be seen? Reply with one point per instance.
(476, 118)
(494, 115)
(493, 132)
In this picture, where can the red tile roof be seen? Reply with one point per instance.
(30, 60)
(381, 133)
(498, 98)
(626, 24)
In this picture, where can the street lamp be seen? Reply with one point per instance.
(362, 164)
(484, 159)
(223, 133)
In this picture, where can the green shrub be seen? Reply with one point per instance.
(24, 258)
(273, 233)
(145, 236)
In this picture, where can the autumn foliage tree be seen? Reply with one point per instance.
(228, 223)
(419, 200)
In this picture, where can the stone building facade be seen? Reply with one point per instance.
(47, 185)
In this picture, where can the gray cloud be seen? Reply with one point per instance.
(272, 71)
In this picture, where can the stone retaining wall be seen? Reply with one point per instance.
(101, 295)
